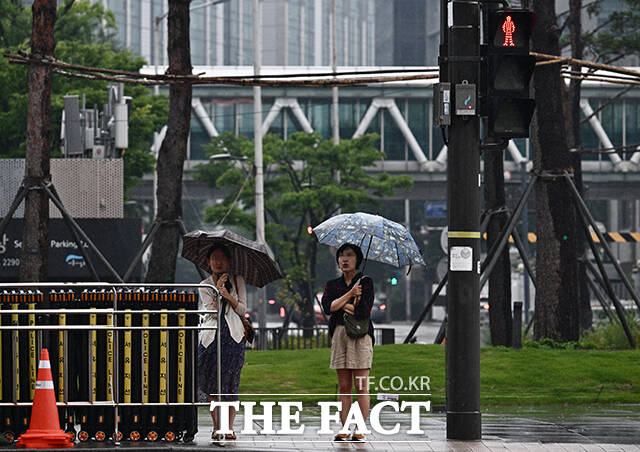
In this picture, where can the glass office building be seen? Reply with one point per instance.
(295, 32)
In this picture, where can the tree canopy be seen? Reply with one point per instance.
(616, 35)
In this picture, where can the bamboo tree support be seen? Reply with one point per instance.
(434, 295)
(145, 244)
(494, 253)
(523, 255)
(76, 238)
(442, 332)
(155, 227)
(585, 218)
(71, 223)
(22, 193)
(78, 234)
(607, 284)
(592, 277)
(582, 207)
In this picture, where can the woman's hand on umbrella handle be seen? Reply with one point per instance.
(221, 285)
(348, 308)
(356, 290)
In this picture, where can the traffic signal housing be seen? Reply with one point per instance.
(509, 70)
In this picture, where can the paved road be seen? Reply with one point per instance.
(425, 334)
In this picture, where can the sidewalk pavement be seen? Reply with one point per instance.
(564, 429)
(598, 429)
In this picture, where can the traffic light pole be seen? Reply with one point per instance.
(462, 21)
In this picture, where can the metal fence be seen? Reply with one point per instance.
(296, 338)
(123, 357)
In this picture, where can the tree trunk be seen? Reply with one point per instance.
(575, 142)
(164, 251)
(500, 278)
(556, 312)
(33, 262)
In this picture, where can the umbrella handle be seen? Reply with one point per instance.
(367, 255)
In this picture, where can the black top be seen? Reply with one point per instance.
(335, 288)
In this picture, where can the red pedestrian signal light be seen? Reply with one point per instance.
(510, 30)
(508, 27)
(509, 68)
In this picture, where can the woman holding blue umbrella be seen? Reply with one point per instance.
(351, 295)
(349, 298)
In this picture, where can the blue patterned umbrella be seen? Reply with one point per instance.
(379, 239)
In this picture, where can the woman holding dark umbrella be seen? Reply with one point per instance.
(350, 357)
(233, 297)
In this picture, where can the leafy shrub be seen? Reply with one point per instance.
(609, 336)
(612, 335)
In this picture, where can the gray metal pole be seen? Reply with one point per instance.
(156, 49)
(335, 114)
(257, 160)
(407, 278)
(463, 197)
(525, 235)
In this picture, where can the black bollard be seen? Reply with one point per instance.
(516, 339)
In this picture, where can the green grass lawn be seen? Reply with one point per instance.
(529, 376)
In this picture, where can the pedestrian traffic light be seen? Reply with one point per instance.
(509, 70)
(393, 281)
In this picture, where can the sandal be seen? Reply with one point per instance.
(357, 436)
(230, 436)
(215, 437)
(341, 437)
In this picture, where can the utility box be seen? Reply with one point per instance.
(465, 99)
(442, 104)
(121, 115)
(73, 142)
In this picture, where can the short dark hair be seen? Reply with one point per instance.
(219, 246)
(356, 249)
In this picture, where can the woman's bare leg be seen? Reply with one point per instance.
(362, 389)
(232, 416)
(345, 378)
(214, 413)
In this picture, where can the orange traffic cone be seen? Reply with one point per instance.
(44, 429)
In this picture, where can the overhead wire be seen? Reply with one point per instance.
(283, 80)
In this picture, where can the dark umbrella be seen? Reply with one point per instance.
(252, 260)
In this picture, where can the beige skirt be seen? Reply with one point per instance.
(349, 353)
